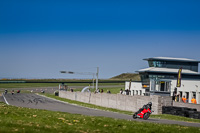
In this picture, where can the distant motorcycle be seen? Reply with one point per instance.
(144, 112)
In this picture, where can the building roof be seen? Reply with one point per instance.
(172, 59)
(167, 70)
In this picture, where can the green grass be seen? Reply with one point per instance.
(112, 90)
(161, 116)
(64, 80)
(29, 85)
(176, 118)
(18, 119)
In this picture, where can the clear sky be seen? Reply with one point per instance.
(38, 38)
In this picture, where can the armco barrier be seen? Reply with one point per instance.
(118, 101)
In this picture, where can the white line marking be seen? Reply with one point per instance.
(5, 99)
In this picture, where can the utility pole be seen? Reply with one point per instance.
(97, 78)
(93, 80)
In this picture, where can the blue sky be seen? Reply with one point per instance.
(38, 38)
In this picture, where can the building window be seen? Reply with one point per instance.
(151, 64)
(165, 86)
(193, 94)
(157, 63)
(144, 78)
(162, 86)
(157, 85)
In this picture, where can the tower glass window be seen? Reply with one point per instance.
(193, 66)
(157, 63)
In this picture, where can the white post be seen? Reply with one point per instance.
(97, 78)
(197, 97)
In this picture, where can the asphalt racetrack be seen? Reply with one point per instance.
(31, 100)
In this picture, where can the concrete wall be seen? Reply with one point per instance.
(119, 101)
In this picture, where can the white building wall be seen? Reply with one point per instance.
(187, 86)
(190, 86)
(136, 88)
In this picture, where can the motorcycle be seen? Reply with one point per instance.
(143, 113)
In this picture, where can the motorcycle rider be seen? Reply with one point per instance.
(143, 112)
(146, 106)
(149, 105)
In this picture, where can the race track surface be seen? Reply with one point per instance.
(31, 100)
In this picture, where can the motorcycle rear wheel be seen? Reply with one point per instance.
(146, 116)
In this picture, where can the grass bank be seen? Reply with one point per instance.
(161, 116)
(18, 119)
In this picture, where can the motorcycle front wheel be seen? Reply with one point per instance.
(146, 116)
(135, 116)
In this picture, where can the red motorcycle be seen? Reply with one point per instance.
(143, 113)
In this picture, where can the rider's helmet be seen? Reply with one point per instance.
(150, 104)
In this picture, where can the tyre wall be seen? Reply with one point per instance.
(181, 111)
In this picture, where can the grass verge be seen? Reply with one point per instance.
(18, 119)
(161, 116)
